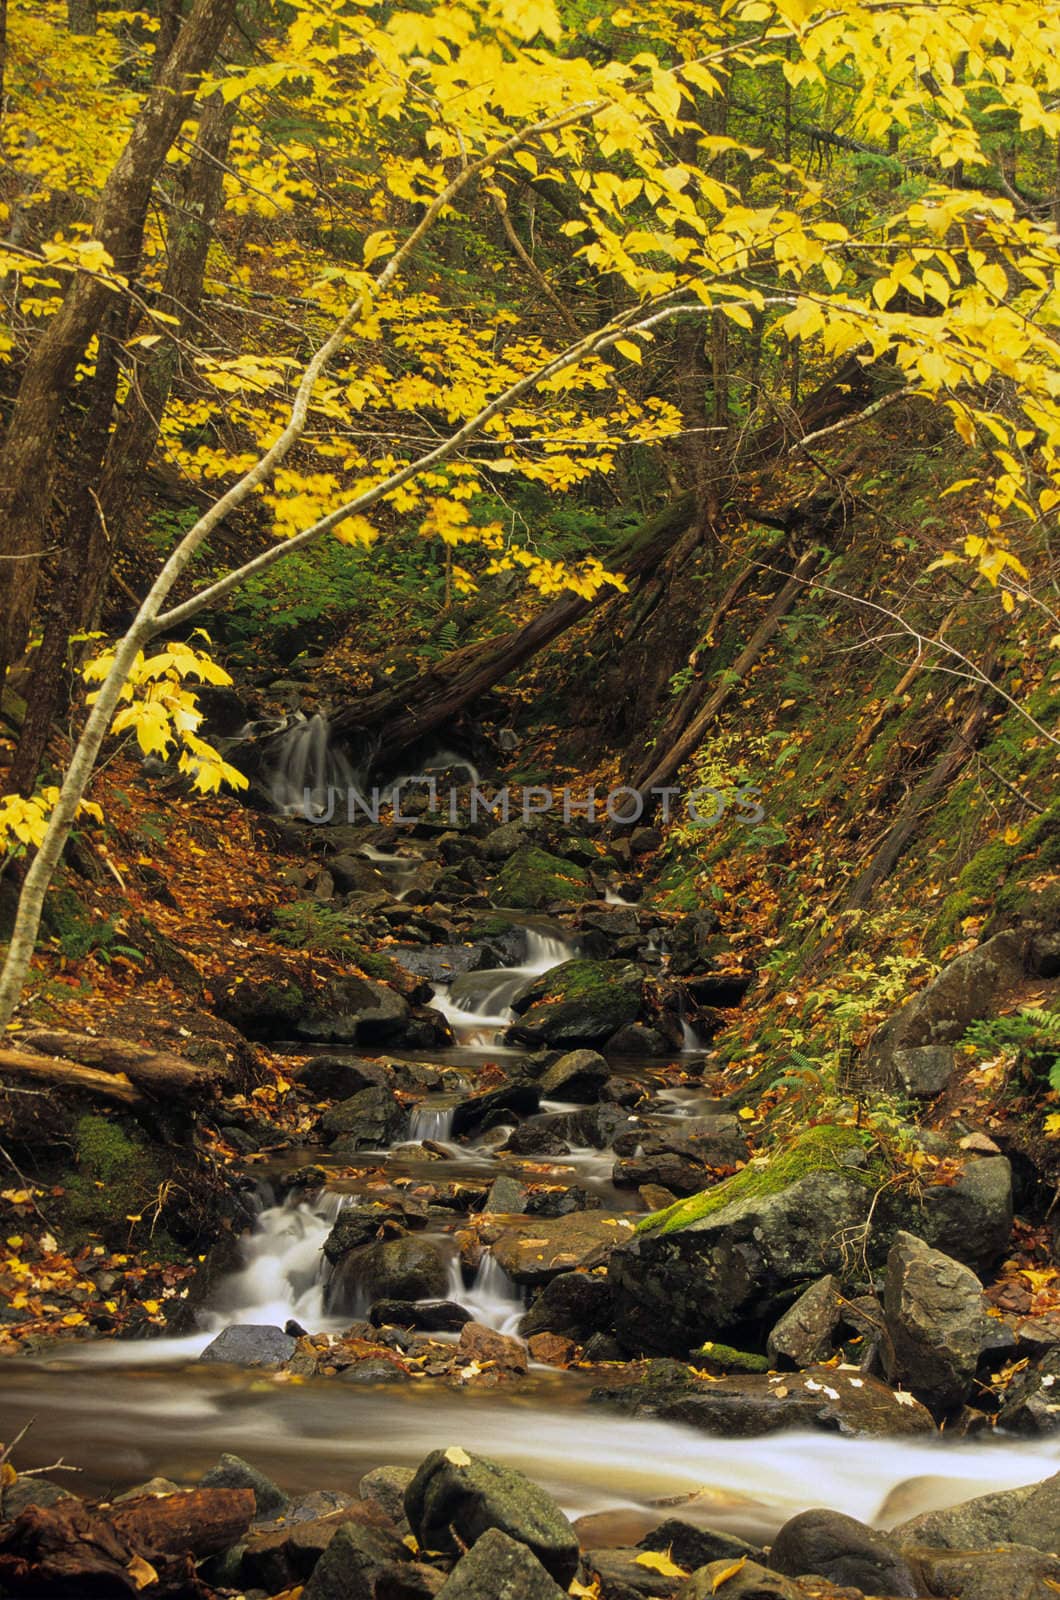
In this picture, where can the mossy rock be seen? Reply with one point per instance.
(532, 879)
(726, 1358)
(579, 1003)
(117, 1177)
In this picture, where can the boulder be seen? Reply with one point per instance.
(339, 1077)
(430, 1316)
(844, 1551)
(390, 1269)
(578, 1003)
(750, 1582)
(636, 1039)
(368, 1120)
(539, 1248)
(352, 1009)
(532, 879)
(348, 1568)
(480, 1112)
(455, 1497)
(357, 1226)
(1032, 1400)
(384, 1488)
(621, 1575)
(1007, 1572)
(500, 1568)
(248, 1344)
(1028, 1516)
(578, 1076)
(574, 1304)
(936, 1324)
(693, 1547)
(507, 1196)
(232, 1472)
(969, 1218)
(805, 1333)
(487, 1346)
(924, 1070)
(678, 1174)
(409, 1580)
(711, 1262)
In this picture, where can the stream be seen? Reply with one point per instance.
(121, 1412)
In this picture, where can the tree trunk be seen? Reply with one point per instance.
(67, 1075)
(97, 519)
(427, 702)
(154, 1072)
(27, 459)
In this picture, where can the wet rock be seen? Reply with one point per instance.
(518, 834)
(1008, 1572)
(806, 1332)
(561, 1202)
(578, 1076)
(486, 1345)
(622, 1577)
(481, 1111)
(551, 1349)
(692, 1547)
(933, 1307)
(432, 1316)
(384, 1487)
(924, 1070)
(507, 1196)
(370, 1371)
(500, 1568)
(836, 1399)
(970, 1218)
(455, 1495)
(408, 1580)
(578, 1003)
(277, 1557)
(721, 1258)
(717, 1357)
(1032, 1400)
(603, 1347)
(368, 1120)
(540, 1136)
(679, 1174)
(339, 1077)
(440, 963)
(250, 1345)
(15, 1497)
(751, 1582)
(348, 1568)
(391, 1269)
(532, 879)
(575, 1304)
(266, 997)
(1028, 1516)
(635, 1039)
(604, 1125)
(232, 1472)
(844, 1551)
(541, 1247)
(357, 1226)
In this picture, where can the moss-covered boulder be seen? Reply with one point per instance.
(729, 1256)
(578, 1003)
(532, 879)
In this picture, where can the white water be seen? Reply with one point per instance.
(427, 1123)
(309, 777)
(492, 1298)
(613, 898)
(477, 1005)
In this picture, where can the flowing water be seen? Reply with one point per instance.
(478, 1005)
(307, 775)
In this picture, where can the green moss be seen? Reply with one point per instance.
(532, 878)
(115, 1178)
(821, 1149)
(728, 1359)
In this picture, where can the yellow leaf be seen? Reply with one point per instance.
(141, 1572)
(728, 1572)
(8, 1475)
(631, 351)
(658, 1562)
(457, 1457)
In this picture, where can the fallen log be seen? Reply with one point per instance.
(110, 1552)
(157, 1073)
(68, 1075)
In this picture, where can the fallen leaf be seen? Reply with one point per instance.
(728, 1572)
(458, 1457)
(660, 1563)
(141, 1572)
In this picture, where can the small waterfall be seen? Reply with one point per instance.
(283, 1270)
(308, 776)
(613, 898)
(401, 868)
(690, 1040)
(430, 1123)
(492, 1298)
(478, 1005)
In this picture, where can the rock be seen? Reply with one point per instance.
(432, 1316)
(751, 1582)
(1028, 1516)
(578, 1003)
(692, 1547)
(1009, 1572)
(1032, 1400)
(534, 1250)
(539, 1136)
(482, 1111)
(250, 1345)
(384, 1487)
(408, 1580)
(679, 1174)
(265, 997)
(622, 1577)
(352, 1009)
(836, 1399)
(719, 1258)
(635, 1039)
(349, 1566)
(532, 879)
(339, 1077)
(805, 1333)
(521, 833)
(970, 1218)
(370, 1371)
(486, 1345)
(455, 1495)
(551, 1349)
(232, 1472)
(29, 1492)
(276, 1557)
(603, 1347)
(726, 1358)
(507, 1197)
(960, 994)
(390, 1269)
(578, 1076)
(936, 1326)
(372, 1119)
(924, 1070)
(574, 1304)
(643, 840)
(842, 1550)
(500, 1568)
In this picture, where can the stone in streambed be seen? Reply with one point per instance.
(232, 1472)
(578, 1076)
(575, 1304)
(539, 1248)
(1028, 1516)
(936, 1323)
(692, 1547)
(340, 1077)
(390, 1269)
(805, 1333)
(430, 1316)
(1005, 1572)
(844, 1551)
(507, 1196)
(455, 1496)
(488, 1347)
(750, 1582)
(532, 879)
(623, 1577)
(247, 1344)
(349, 1567)
(500, 1568)
(578, 1003)
(369, 1120)
(384, 1488)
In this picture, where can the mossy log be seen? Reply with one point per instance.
(67, 1075)
(158, 1074)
